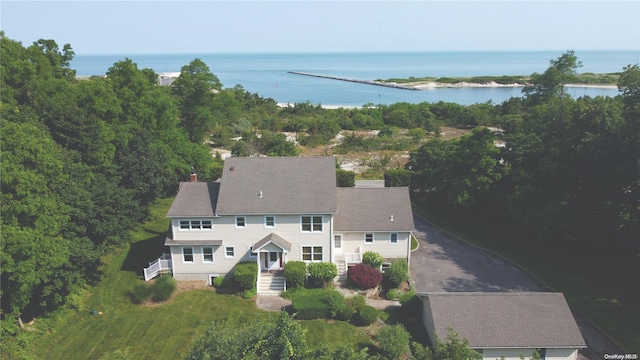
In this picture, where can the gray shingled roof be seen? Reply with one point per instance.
(275, 239)
(370, 209)
(195, 199)
(169, 241)
(500, 320)
(288, 185)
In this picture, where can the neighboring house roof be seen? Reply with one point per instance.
(371, 209)
(195, 199)
(369, 183)
(278, 185)
(272, 239)
(506, 320)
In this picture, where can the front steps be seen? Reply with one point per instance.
(271, 283)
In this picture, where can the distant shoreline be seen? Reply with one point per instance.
(492, 84)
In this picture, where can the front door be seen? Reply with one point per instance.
(272, 260)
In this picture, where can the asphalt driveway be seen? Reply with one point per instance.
(444, 263)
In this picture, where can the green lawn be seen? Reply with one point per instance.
(157, 332)
(606, 294)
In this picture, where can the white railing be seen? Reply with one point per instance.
(351, 258)
(156, 266)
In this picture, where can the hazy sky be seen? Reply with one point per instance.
(134, 27)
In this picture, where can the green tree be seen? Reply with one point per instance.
(195, 89)
(551, 83)
(393, 340)
(345, 178)
(278, 145)
(264, 339)
(454, 348)
(32, 216)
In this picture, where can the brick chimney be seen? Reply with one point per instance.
(193, 177)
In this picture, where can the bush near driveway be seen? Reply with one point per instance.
(394, 340)
(397, 273)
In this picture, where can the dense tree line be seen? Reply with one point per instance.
(81, 161)
(565, 172)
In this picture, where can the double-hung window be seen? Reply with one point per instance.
(187, 254)
(311, 223)
(393, 238)
(269, 222)
(207, 254)
(241, 222)
(368, 238)
(229, 252)
(312, 253)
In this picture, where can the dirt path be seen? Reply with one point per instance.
(444, 263)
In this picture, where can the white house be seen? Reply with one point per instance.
(277, 209)
(505, 325)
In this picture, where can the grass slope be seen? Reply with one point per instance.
(608, 295)
(162, 331)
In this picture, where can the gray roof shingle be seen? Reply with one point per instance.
(195, 199)
(370, 209)
(278, 185)
(503, 320)
(275, 239)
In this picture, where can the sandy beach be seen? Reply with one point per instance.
(493, 84)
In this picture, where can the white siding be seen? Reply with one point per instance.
(427, 320)
(381, 243)
(287, 226)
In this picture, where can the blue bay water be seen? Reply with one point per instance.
(267, 73)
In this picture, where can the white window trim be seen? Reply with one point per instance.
(312, 231)
(312, 248)
(190, 221)
(236, 222)
(341, 241)
(193, 256)
(180, 225)
(225, 252)
(397, 238)
(213, 258)
(373, 238)
(202, 225)
(265, 222)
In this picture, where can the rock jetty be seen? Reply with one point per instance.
(368, 82)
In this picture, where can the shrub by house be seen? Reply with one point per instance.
(364, 276)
